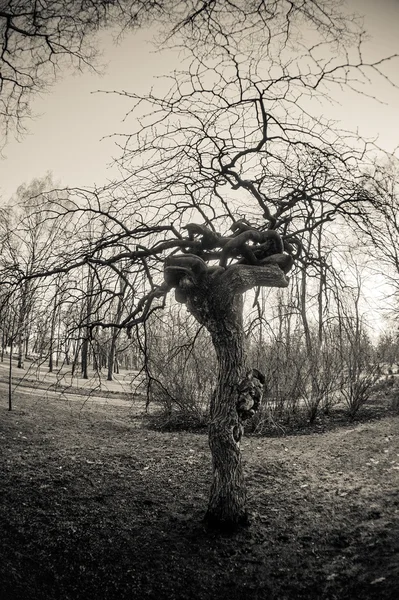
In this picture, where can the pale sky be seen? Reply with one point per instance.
(65, 137)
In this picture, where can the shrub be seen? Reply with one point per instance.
(181, 369)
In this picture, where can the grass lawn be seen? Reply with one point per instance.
(95, 506)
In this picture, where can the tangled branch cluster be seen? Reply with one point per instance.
(247, 245)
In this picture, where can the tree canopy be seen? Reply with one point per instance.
(239, 132)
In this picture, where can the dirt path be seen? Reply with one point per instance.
(93, 506)
(38, 376)
(90, 397)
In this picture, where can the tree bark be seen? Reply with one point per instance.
(85, 356)
(52, 333)
(227, 503)
(3, 343)
(10, 377)
(217, 303)
(20, 364)
(111, 359)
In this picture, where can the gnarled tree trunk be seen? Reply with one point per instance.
(217, 303)
(227, 504)
(214, 296)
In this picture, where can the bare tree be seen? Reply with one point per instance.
(377, 225)
(28, 241)
(218, 182)
(118, 315)
(38, 40)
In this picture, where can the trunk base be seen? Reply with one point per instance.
(226, 524)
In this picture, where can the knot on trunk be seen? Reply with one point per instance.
(250, 391)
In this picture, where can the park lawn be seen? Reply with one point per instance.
(95, 506)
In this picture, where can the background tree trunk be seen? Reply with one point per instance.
(10, 377)
(21, 353)
(85, 356)
(112, 360)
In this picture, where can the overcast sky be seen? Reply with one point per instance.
(65, 137)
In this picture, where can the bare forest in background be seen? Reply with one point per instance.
(314, 341)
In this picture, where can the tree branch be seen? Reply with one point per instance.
(241, 278)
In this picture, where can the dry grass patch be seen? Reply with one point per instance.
(94, 506)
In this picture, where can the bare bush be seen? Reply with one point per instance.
(357, 380)
(180, 369)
